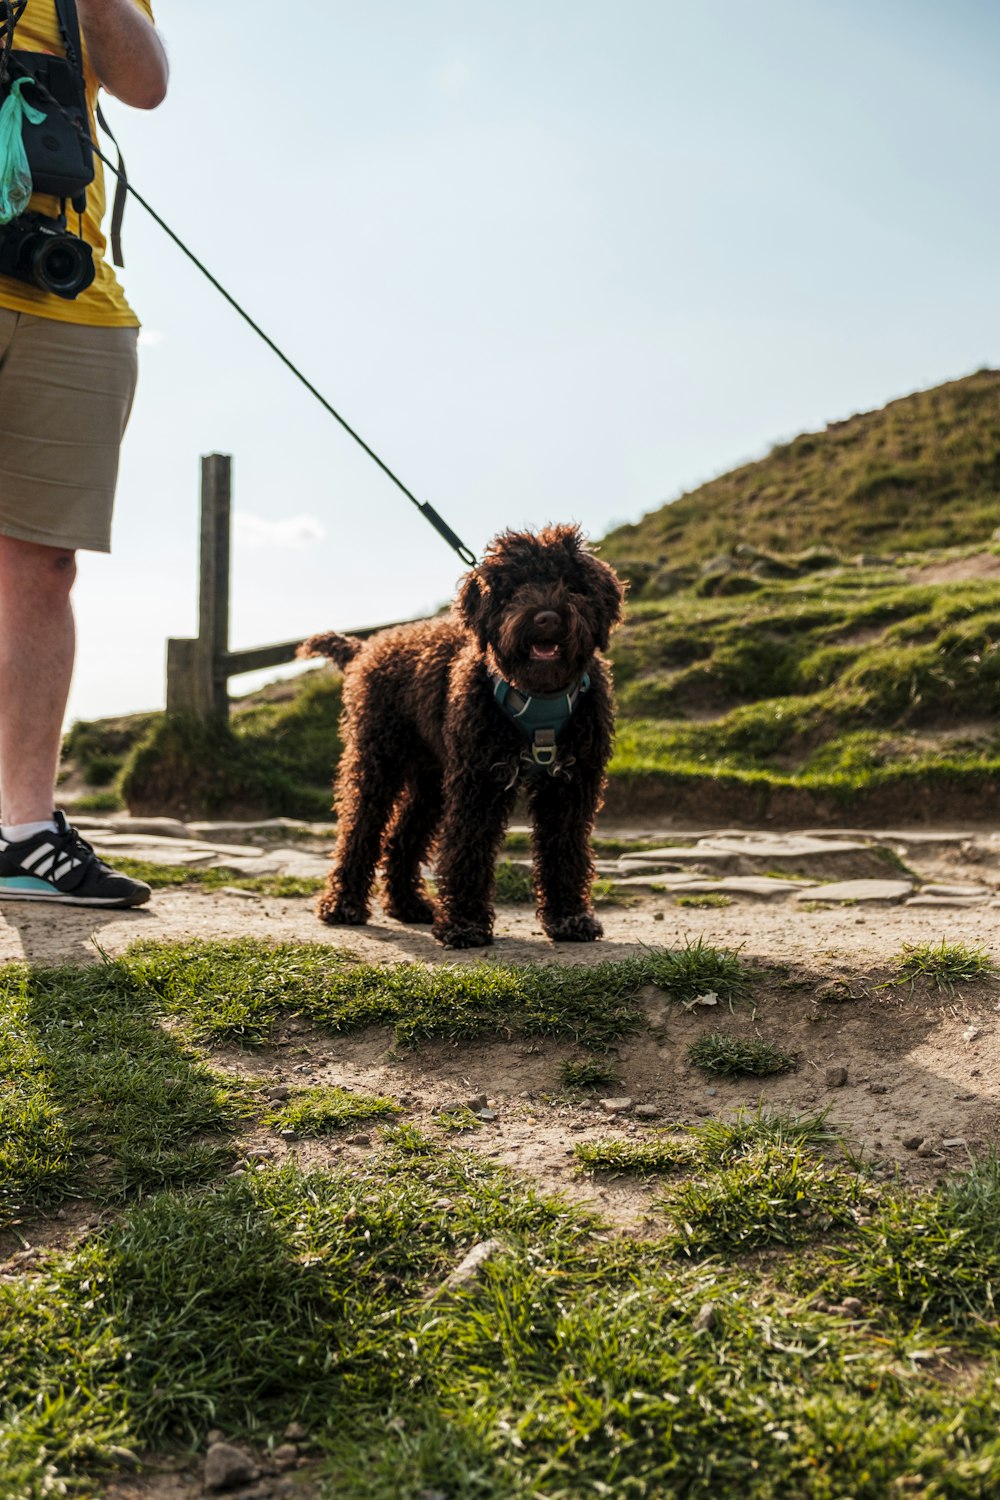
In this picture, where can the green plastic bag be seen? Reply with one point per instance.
(15, 174)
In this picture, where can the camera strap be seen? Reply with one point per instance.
(69, 30)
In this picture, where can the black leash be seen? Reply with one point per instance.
(425, 508)
(13, 9)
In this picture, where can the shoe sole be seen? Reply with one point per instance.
(56, 899)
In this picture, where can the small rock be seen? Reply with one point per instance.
(214, 1435)
(226, 1468)
(926, 1148)
(707, 1317)
(657, 916)
(278, 1091)
(878, 1088)
(647, 1111)
(295, 1433)
(477, 1102)
(285, 1456)
(359, 1140)
(955, 1140)
(836, 1078)
(913, 1142)
(486, 1114)
(258, 1153)
(853, 1307)
(970, 1033)
(616, 1106)
(711, 1093)
(469, 1269)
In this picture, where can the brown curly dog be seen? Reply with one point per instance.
(445, 719)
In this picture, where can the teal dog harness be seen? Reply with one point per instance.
(541, 718)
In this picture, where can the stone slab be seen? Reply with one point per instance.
(955, 890)
(859, 890)
(924, 900)
(735, 885)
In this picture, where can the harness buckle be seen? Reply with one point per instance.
(543, 747)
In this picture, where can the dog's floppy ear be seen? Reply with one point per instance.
(471, 601)
(608, 593)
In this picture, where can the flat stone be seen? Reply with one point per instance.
(955, 890)
(860, 890)
(616, 1106)
(166, 827)
(647, 1112)
(951, 901)
(121, 841)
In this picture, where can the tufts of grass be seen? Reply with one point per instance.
(934, 1259)
(646, 1158)
(167, 877)
(587, 1073)
(235, 992)
(704, 899)
(514, 884)
(768, 1195)
(572, 1366)
(944, 964)
(320, 1111)
(736, 1057)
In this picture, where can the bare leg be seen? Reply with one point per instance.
(37, 647)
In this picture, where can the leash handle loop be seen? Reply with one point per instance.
(443, 529)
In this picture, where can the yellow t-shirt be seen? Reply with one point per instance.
(103, 304)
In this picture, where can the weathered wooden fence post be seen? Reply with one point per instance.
(197, 669)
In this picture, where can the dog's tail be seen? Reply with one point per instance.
(339, 648)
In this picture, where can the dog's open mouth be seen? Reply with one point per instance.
(546, 652)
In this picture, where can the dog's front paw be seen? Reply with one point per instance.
(414, 909)
(341, 913)
(454, 935)
(583, 928)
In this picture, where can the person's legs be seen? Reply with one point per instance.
(36, 664)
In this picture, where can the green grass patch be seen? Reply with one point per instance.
(645, 1158)
(943, 964)
(235, 992)
(737, 1057)
(168, 877)
(95, 1096)
(706, 900)
(322, 1110)
(575, 1365)
(587, 1073)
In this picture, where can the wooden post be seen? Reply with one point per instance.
(197, 670)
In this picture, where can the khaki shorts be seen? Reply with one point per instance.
(65, 396)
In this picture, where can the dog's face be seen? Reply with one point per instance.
(541, 604)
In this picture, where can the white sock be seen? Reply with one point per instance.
(15, 832)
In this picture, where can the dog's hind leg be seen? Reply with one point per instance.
(417, 815)
(475, 818)
(563, 812)
(368, 783)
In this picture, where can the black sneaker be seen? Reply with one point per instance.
(61, 866)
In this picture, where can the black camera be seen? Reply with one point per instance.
(34, 247)
(43, 252)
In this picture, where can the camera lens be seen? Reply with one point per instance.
(61, 264)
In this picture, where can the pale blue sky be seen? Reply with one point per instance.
(555, 261)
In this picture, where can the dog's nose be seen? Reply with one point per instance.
(547, 619)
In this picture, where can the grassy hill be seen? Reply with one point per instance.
(921, 472)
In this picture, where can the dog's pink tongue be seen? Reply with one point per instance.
(545, 653)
